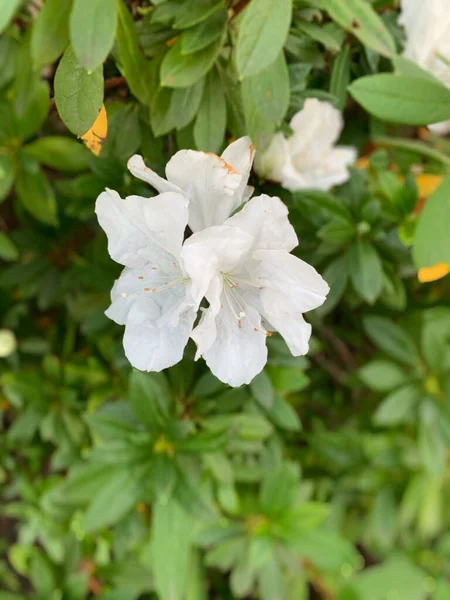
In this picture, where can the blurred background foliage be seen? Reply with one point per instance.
(328, 477)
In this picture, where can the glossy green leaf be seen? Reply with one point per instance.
(359, 18)
(140, 73)
(50, 34)
(366, 270)
(210, 124)
(262, 34)
(205, 33)
(78, 95)
(34, 191)
(60, 153)
(92, 31)
(7, 10)
(183, 70)
(402, 98)
(193, 12)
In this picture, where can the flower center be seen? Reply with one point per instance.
(235, 301)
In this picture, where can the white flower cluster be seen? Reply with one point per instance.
(241, 265)
(427, 28)
(309, 157)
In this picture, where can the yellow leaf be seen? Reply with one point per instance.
(95, 137)
(427, 274)
(426, 184)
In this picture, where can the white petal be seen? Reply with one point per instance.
(290, 285)
(295, 331)
(442, 128)
(137, 167)
(238, 353)
(211, 184)
(150, 342)
(240, 155)
(213, 251)
(270, 164)
(205, 333)
(331, 170)
(266, 219)
(139, 229)
(316, 127)
(155, 280)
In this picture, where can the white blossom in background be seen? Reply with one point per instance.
(152, 296)
(8, 343)
(427, 28)
(309, 158)
(240, 264)
(214, 185)
(253, 286)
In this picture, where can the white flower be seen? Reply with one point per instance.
(214, 185)
(309, 158)
(253, 285)
(8, 343)
(152, 296)
(427, 27)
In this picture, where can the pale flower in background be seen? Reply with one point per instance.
(214, 185)
(427, 28)
(8, 343)
(309, 158)
(152, 295)
(253, 285)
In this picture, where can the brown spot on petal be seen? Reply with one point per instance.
(141, 277)
(147, 289)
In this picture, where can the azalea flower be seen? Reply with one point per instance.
(427, 27)
(253, 286)
(309, 158)
(215, 185)
(152, 296)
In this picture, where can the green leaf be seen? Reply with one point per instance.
(404, 66)
(259, 127)
(366, 270)
(262, 390)
(278, 489)
(271, 582)
(150, 400)
(7, 10)
(92, 31)
(183, 70)
(205, 33)
(36, 112)
(340, 77)
(195, 11)
(50, 32)
(336, 275)
(320, 34)
(432, 239)
(172, 535)
(283, 414)
(359, 18)
(175, 109)
(382, 375)
(392, 339)
(7, 174)
(402, 99)
(140, 73)
(262, 34)
(211, 121)
(398, 406)
(78, 95)
(60, 153)
(34, 191)
(114, 500)
(8, 250)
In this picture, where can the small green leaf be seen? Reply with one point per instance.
(262, 34)
(278, 489)
(402, 99)
(150, 399)
(78, 95)
(359, 18)
(92, 31)
(34, 191)
(397, 407)
(50, 33)
(382, 375)
(366, 270)
(340, 77)
(140, 73)
(320, 34)
(60, 153)
(183, 70)
(8, 250)
(7, 174)
(211, 121)
(262, 390)
(392, 339)
(205, 33)
(7, 10)
(193, 12)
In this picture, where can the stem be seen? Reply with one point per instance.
(414, 146)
